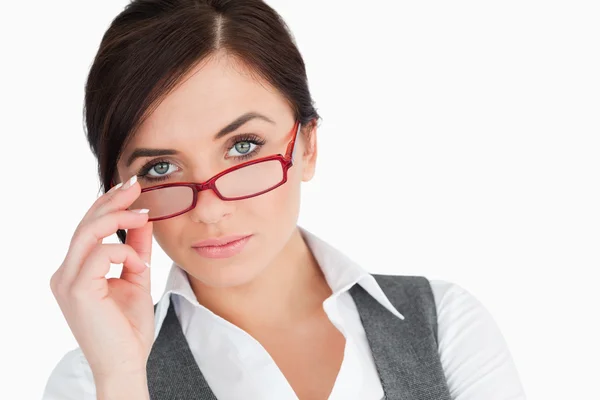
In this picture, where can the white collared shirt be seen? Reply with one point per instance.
(476, 361)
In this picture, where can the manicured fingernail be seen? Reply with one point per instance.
(115, 187)
(141, 210)
(147, 264)
(130, 182)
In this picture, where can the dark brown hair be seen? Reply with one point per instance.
(152, 44)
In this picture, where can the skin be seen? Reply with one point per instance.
(274, 289)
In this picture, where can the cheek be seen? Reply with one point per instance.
(279, 206)
(166, 234)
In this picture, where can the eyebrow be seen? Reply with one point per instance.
(231, 127)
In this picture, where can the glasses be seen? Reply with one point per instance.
(242, 181)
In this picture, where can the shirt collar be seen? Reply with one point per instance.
(341, 273)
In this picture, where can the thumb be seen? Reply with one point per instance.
(140, 239)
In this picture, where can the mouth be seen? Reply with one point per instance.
(222, 247)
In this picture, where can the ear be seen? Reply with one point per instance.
(309, 157)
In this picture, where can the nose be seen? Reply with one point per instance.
(210, 209)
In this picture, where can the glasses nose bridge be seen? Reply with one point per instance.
(208, 185)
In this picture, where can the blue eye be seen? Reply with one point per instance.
(156, 166)
(243, 148)
(247, 145)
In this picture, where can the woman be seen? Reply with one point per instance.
(200, 116)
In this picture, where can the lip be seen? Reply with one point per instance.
(230, 248)
(221, 241)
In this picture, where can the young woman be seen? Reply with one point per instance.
(200, 116)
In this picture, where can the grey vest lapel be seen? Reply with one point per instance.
(172, 370)
(405, 351)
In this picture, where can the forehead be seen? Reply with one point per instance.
(209, 97)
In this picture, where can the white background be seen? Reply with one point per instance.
(476, 123)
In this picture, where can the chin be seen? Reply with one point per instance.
(226, 275)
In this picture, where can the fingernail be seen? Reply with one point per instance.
(115, 187)
(130, 182)
(140, 210)
(147, 264)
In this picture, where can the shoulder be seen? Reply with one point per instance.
(71, 379)
(460, 312)
(460, 315)
(474, 354)
(445, 295)
(449, 294)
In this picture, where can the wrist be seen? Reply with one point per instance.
(122, 387)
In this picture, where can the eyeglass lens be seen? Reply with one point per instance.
(246, 181)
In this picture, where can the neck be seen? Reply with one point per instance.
(291, 288)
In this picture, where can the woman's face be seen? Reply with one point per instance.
(212, 96)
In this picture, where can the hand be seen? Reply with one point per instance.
(111, 319)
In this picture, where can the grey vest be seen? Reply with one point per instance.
(405, 351)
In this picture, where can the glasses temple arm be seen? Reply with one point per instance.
(292, 145)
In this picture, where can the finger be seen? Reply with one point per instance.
(117, 199)
(92, 276)
(87, 236)
(140, 239)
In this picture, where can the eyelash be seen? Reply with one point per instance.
(250, 138)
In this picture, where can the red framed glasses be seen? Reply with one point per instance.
(248, 179)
